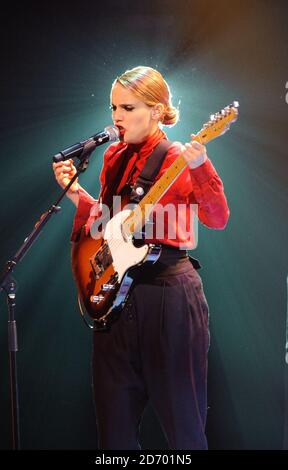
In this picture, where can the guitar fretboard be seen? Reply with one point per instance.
(142, 211)
(219, 123)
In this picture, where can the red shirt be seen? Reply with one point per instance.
(200, 186)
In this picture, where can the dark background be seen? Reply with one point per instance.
(58, 62)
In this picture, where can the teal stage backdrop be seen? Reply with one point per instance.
(58, 63)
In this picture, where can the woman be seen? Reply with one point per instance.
(157, 350)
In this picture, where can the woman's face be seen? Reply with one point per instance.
(135, 120)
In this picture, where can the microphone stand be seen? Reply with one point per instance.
(9, 286)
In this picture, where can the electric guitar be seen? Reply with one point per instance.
(102, 267)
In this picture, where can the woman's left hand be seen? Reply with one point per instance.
(194, 153)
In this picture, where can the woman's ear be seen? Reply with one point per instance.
(158, 111)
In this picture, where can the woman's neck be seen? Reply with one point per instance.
(155, 135)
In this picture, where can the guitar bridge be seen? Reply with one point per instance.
(101, 260)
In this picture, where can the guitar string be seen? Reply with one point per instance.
(116, 243)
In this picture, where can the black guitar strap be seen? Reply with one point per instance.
(147, 177)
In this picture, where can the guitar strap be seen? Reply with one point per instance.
(147, 177)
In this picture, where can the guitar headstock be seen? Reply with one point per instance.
(219, 123)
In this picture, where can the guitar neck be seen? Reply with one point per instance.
(219, 123)
(142, 211)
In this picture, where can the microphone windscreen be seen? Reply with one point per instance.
(113, 132)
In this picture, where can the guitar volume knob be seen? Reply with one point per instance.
(107, 287)
(96, 299)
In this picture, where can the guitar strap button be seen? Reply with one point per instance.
(139, 191)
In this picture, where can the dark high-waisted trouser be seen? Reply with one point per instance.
(156, 351)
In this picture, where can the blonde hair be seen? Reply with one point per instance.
(149, 85)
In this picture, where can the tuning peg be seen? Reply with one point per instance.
(236, 104)
(212, 117)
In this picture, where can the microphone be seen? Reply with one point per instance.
(110, 133)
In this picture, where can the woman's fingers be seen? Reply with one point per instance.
(64, 172)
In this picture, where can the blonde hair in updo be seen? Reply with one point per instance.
(150, 87)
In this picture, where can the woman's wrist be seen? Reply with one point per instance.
(73, 195)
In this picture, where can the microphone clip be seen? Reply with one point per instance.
(88, 148)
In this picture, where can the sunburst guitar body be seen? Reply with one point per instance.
(103, 267)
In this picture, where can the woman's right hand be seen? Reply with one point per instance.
(64, 172)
